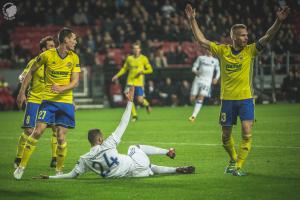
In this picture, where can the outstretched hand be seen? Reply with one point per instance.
(282, 13)
(42, 176)
(129, 93)
(190, 12)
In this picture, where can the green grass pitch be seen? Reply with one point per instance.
(273, 164)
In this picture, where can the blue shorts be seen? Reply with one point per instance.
(138, 90)
(231, 109)
(30, 115)
(56, 113)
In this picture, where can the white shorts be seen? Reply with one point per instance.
(200, 88)
(141, 161)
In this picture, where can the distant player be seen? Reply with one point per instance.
(34, 100)
(204, 69)
(137, 65)
(236, 82)
(105, 160)
(61, 77)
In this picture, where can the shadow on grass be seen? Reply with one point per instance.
(23, 194)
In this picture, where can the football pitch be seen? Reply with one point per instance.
(273, 165)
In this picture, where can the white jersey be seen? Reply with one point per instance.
(204, 68)
(104, 159)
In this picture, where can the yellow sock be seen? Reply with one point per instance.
(229, 147)
(21, 145)
(53, 144)
(145, 103)
(133, 111)
(243, 152)
(61, 156)
(28, 150)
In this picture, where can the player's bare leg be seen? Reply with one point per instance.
(29, 148)
(198, 105)
(61, 148)
(142, 101)
(228, 144)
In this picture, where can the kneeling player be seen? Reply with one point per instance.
(204, 68)
(104, 159)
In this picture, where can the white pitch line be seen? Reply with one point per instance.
(176, 143)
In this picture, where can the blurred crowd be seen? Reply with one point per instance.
(110, 26)
(111, 23)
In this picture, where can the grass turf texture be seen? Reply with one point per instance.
(273, 164)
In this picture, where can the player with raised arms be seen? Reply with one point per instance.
(62, 69)
(236, 63)
(105, 160)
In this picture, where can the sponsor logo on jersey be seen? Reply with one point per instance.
(233, 68)
(59, 74)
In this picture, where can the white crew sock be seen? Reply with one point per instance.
(197, 108)
(162, 169)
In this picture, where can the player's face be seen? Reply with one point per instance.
(241, 37)
(136, 50)
(71, 42)
(50, 44)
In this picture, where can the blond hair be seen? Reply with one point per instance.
(235, 27)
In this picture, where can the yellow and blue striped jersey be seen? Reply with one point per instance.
(36, 86)
(236, 70)
(135, 65)
(58, 71)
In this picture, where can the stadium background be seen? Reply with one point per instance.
(107, 28)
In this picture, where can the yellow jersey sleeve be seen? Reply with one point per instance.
(147, 66)
(216, 49)
(28, 66)
(42, 59)
(76, 64)
(252, 50)
(124, 69)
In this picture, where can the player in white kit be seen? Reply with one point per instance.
(203, 68)
(104, 159)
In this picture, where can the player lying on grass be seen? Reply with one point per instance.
(104, 159)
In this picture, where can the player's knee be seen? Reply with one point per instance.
(226, 132)
(192, 99)
(28, 131)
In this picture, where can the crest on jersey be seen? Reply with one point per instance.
(69, 64)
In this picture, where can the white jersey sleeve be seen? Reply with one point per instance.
(217, 69)
(116, 136)
(197, 65)
(72, 174)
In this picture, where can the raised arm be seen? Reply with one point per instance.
(118, 133)
(191, 14)
(282, 14)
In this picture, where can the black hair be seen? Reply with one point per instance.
(92, 135)
(63, 33)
